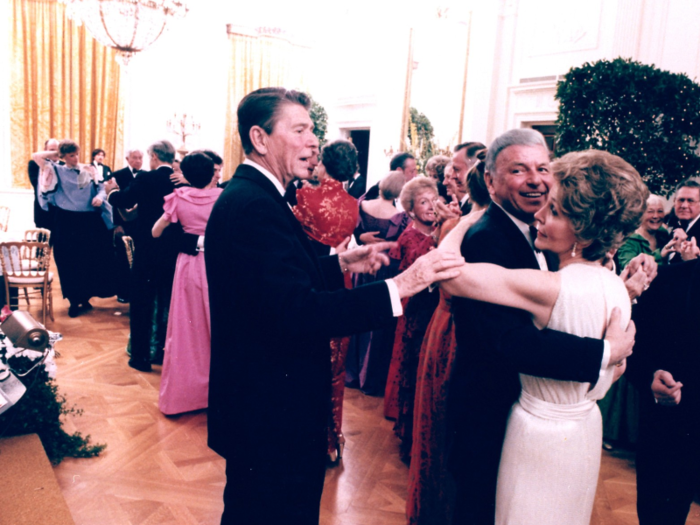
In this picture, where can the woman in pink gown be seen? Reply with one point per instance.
(184, 382)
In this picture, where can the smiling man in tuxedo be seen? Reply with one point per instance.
(274, 306)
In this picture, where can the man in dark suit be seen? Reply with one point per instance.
(685, 224)
(104, 172)
(154, 259)
(42, 218)
(124, 222)
(463, 159)
(134, 162)
(403, 162)
(665, 368)
(274, 306)
(495, 343)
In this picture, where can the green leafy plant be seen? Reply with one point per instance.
(421, 142)
(39, 411)
(320, 119)
(647, 116)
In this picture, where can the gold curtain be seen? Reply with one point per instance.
(257, 62)
(64, 84)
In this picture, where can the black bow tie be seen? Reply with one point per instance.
(533, 236)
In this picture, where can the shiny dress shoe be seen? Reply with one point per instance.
(140, 365)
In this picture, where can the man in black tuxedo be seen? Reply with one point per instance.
(495, 343)
(42, 218)
(124, 222)
(134, 162)
(463, 159)
(665, 368)
(154, 259)
(685, 224)
(274, 306)
(403, 162)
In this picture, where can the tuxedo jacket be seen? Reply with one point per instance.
(274, 306)
(466, 207)
(667, 317)
(148, 191)
(124, 178)
(495, 343)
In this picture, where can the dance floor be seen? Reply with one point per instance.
(158, 470)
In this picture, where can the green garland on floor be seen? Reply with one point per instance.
(39, 412)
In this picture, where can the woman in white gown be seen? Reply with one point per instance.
(551, 453)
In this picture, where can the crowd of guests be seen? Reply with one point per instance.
(493, 380)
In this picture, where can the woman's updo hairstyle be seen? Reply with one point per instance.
(198, 169)
(340, 160)
(603, 196)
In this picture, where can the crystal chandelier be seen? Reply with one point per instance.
(129, 26)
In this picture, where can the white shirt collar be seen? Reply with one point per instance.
(267, 174)
(692, 223)
(522, 226)
(465, 199)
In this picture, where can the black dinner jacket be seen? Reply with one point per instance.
(495, 343)
(667, 318)
(124, 178)
(148, 191)
(274, 305)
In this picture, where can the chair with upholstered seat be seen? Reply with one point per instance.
(26, 265)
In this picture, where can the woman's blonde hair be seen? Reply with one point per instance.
(413, 188)
(603, 196)
(390, 186)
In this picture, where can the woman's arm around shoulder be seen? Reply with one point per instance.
(534, 291)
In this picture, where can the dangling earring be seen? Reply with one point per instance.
(573, 251)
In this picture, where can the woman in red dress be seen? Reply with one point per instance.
(328, 215)
(417, 198)
(429, 499)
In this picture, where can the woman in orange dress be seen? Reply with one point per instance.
(429, 499)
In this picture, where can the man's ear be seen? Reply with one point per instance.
(258, 138)
(489, 183)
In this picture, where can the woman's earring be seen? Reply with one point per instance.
(573, 251)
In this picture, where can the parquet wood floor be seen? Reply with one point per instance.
(158, 470)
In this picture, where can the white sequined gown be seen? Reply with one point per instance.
(551, 454)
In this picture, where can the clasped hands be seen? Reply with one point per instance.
(434, 266)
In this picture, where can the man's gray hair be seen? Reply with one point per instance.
(163, 150)
(513, 137)
(130, 151)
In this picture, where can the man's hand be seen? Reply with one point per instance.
(370, 238)
(666, 390)
(621, 341)
(111, 185)
(674, 244)
(689, 250)
(177, 178)
(436, 265)
(96, 202)
(446, 211)
(365, 259)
